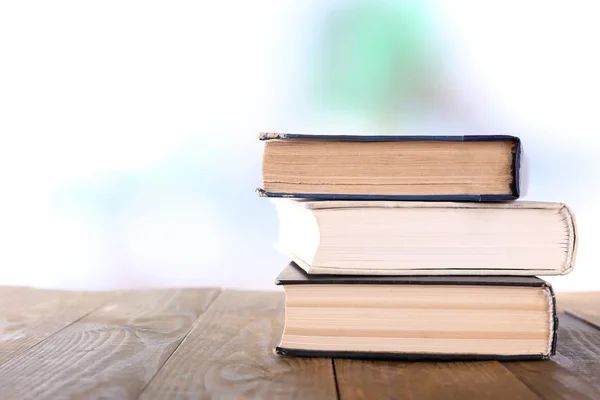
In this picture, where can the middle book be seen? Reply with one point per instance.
(427, 238)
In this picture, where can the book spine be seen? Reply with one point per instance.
(554, 319)
(517, 165)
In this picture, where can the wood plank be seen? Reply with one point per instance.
(229, 354)
(584, 305)
(427, 380)
(112, 352)
(28, 316)
(574, 373)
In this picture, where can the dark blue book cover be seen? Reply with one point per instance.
(515, 186)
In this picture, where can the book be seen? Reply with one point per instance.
(466, 168)
(427, 238)
(435, 317)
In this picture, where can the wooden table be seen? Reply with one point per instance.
(211, 343)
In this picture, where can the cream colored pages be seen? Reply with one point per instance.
(419, 319)
(362, 238)
(470, 272)
(421, 167)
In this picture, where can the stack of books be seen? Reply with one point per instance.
(413, 247)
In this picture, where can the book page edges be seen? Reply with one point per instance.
(572, 230)
(567, 267)
(318, 270)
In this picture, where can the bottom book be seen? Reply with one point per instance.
(417, 317)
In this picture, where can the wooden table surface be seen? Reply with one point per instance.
(212, 343)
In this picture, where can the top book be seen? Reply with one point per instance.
(463, 168)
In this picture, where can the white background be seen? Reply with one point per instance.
(128, 151)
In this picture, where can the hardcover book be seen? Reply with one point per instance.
(428, 317)
(427, 238)
(465, 168)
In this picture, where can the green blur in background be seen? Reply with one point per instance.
(373, 58)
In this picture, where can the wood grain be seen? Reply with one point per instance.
(574, 373)
(584, 305)
(56, 344)
(427, 380)
(111, 353)
(229, 354)
(28, 316)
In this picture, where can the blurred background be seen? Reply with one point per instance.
(128, 150)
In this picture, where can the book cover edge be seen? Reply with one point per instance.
(303, 278)
(265, 136)
(282, 351)
(260, 192)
